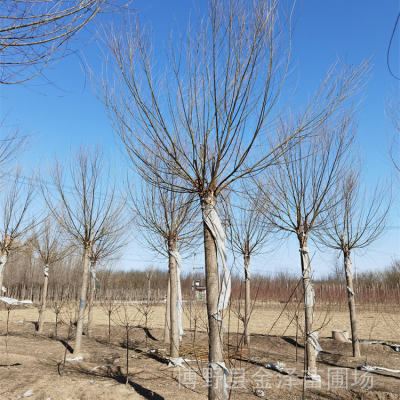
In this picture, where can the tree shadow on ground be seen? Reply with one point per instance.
(117, 375)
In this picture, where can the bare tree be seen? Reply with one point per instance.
(208, 118)
(356, 222)
(168, 226)
(247, 232)
(303, 191)
(16, 198)
(46, 243)
(35, 34)
(87, 209)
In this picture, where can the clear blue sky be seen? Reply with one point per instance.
(351, 30)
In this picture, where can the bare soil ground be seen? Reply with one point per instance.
(34, 362)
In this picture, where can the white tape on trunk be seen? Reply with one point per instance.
(313, 340)
(226, 373)
(348, 266)
(178, 259)
(46, 270)
(211, 219)
(309, 293)
(92, 270)
(247, 268)
(3, 262)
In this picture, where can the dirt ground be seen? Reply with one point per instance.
(34, 362)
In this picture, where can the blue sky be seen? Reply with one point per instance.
(351, 30)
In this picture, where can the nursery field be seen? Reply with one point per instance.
(32, 362)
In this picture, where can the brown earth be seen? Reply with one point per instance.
(29, 361)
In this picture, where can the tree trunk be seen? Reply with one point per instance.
(167, 311)
(247, 305)
(82, 303)
(215, 390)
(3, 261)
(352, 306)
(173, 273)
(311, 366)
(43, 308)
(90, 306)
(91, 297)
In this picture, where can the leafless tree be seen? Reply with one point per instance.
(302, 193)
(16, 198)
(35, 34)
(82, 197)
(208, 119)
(169, 226)
(49, 249)
(128, 316)
(356, 222)
(247, 233)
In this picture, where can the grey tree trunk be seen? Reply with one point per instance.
(91, 300)
(167, 311)
(247, 305)
(2, 270)
(82, 303)
(43, 307)
(215, 334)
(173, 273)
(352, 308)
(311, 365)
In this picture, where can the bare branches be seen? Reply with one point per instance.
(212, 108)
(360, 217)
(303, 187)
(34, 34)
(162, 216)
(82, 198)
(47, 244)
(16, 199)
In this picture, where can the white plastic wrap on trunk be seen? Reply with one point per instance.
(46, 270)
(307, 285)
(3, 289)
(351, 294)
(3, 262)
(92, 270)
(371, 369)
(178, 259)
(211, 219)
(348, 266)
(247, 268)
(176, 362)
(226, 373)
(313, 340)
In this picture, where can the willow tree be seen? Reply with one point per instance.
(47, 243)
(207, 114)
(247, 233)
(35, 34)
(81, 195)
(302, 192)
(355, 222)
(15, 200)
(168, 226)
